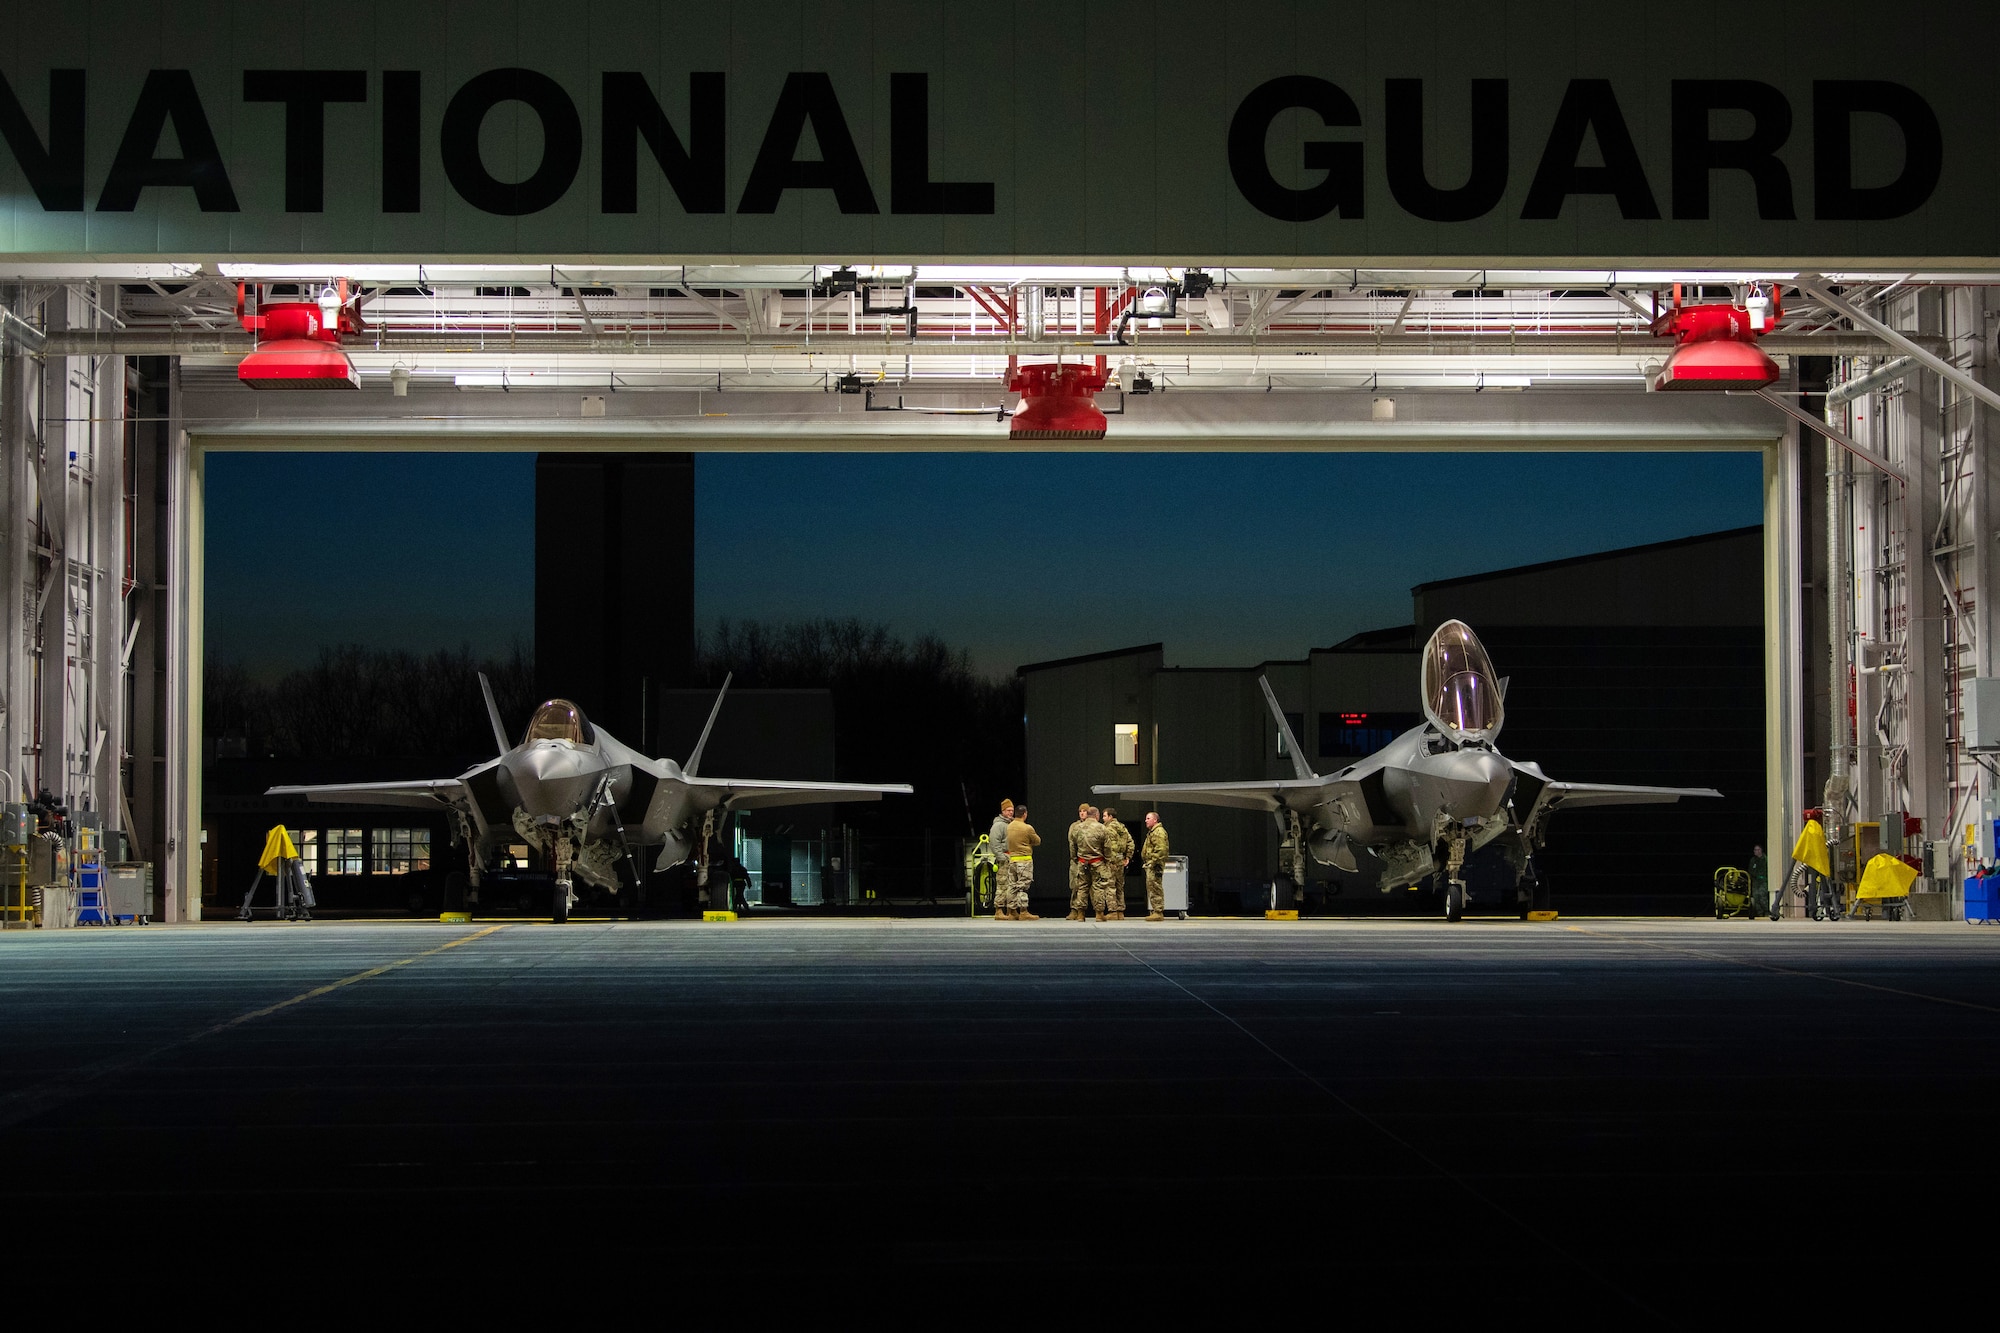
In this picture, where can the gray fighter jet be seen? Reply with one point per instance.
(1441, 792)
(586, 800)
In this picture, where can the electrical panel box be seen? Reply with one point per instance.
(1892, 832)
(1982, 714)
(16, 825)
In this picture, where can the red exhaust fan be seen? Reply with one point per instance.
(298, 342)
(1716, 345)
(1056, 402)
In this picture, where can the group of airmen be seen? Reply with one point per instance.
(1100, 849)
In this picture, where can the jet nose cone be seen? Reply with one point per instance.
(552, 777)
(1476, 783)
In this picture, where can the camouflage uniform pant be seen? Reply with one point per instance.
(1107, 888)
(1010, 888)
(1156, 890)
(1079, 889)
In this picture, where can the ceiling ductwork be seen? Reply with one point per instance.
(1056, 402)
(298, 342)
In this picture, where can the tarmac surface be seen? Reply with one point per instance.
(1647, 1122)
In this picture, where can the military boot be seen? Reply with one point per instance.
(1074, 916)
(1156, 916)
(1026, 916)
(1003, 915)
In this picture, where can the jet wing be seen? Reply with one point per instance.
(1553, 796)
(426, 793)
(753, 794)
(1270, 795)
(1576, 795)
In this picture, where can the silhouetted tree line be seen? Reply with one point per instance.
(904, 710)
(364, 703)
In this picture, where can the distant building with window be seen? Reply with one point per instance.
(1639, 665)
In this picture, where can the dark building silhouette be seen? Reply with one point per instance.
(614, 583)
(1643, 665)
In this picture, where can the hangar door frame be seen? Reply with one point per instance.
(1776, 441)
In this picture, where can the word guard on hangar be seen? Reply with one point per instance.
(693, 156)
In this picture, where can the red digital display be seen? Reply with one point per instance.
(1354, 719)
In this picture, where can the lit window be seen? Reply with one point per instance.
(307, 841)
(343, 851)
(1125, 743)
(401, 851)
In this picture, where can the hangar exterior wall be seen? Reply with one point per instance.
(1071, 707)
(1643, 665)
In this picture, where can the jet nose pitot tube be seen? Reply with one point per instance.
(1474, 783)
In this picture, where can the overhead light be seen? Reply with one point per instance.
(1056, 402)
(1715, 346)
(298, 343)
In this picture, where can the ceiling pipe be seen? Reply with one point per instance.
(220, 342)
(1834, 433)
(1873, 380)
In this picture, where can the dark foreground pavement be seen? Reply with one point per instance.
(952, 1122)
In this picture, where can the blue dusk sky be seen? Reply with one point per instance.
(1227, 558)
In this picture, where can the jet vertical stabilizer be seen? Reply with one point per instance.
(694, 760)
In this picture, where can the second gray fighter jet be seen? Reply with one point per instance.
(1426, 801)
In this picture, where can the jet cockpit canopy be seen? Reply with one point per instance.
(1461, 693)
(560, 720)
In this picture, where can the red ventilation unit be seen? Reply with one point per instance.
(1716, 345)
(298, 343)
(1056, 402)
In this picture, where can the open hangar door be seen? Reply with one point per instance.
(1473, 374)
(1571, 396)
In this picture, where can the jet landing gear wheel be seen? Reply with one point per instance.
(560, 912)
(1454, 901)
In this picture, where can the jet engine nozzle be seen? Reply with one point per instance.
(1473, 782)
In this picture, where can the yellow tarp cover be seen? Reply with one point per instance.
(1886, 877)
(277, 847)
(1811, 848)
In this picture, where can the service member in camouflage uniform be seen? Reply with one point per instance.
(1117, 856)
(1154, 857)
(1079, 886)
(1010, 899)
(1090, 858)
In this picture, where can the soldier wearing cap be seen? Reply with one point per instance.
(1117, 856)
(996, 846)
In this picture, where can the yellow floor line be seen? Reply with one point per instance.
(332, 986)
(29, 1102)
(1787, 971)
